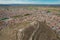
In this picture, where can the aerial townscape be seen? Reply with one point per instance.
(29, 22)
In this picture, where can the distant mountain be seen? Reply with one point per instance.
(29, 4)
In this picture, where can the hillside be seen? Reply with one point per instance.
(37, 31)
(14, 18)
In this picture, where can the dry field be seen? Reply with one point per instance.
(13, 18)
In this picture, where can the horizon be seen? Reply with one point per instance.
(29, 1)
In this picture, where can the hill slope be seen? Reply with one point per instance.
(39, 31)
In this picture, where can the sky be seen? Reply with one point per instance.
(29, 1)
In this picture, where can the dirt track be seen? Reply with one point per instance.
(43, 32)
(40, 32)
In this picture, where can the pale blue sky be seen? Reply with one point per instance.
(29, 1)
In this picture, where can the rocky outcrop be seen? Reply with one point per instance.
(38, 31)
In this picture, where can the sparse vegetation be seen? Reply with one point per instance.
(57, 14)
(4, 18)
(17, 16)
(27, 14)
(48, 11)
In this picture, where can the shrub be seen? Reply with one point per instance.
(4, 18)
(48, 11)
(26, 14)
(17, 16)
